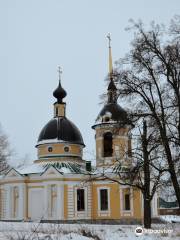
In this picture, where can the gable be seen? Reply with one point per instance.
(12, 173)
(51, 172)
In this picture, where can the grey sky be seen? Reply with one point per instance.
(39, 35)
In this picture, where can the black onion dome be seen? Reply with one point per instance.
(61, 129)
(59, 93)
(115, 112)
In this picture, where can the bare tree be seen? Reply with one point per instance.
(151, 78)
(5, 152)
(153, 169)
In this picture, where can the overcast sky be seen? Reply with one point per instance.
(39, 35)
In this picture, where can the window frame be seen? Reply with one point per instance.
(50, 149)
(124, 212)
(99, 200)
(84, 199)
(129, 203)
(103, 199)
(67, 147)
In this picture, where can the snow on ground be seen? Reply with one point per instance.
(171, 218)
(47, 231)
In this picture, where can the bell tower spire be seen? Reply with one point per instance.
(110, 57)
(112, 125)
(112, 90)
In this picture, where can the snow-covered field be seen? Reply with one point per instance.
(171, 218)
(44, 231)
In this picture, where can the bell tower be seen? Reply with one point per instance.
(112, 127)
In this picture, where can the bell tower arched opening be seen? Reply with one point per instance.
(108, 145)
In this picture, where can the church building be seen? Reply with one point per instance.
(60, 185)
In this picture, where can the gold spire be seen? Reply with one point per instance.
(110, 57)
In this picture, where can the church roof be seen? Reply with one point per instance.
(112, 113)
(112, 86)
(60, 129)
(62, 167)
(115, 112)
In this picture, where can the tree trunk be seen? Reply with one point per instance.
(146, 191)
(173, 173)
(147, 212)
(171, 164)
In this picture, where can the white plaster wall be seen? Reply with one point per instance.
(8, 202)
(21, 204)
(36, 203)
(3, 202)
(60, 200)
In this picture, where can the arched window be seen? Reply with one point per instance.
(108, 150)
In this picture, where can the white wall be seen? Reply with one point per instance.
(36, 203)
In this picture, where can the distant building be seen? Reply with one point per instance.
(167, 201)
(61, 185)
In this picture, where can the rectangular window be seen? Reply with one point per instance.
(56, 111)
(80, 200)
(104, 199)
(127, 202)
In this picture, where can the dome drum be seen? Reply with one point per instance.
(59, 150)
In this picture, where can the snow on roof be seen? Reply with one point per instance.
(100, 170)
(99, 120)
(55, 140)
(65, 170)
(63, 167)
(33, 168)
(67, 167)
(110, 169)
